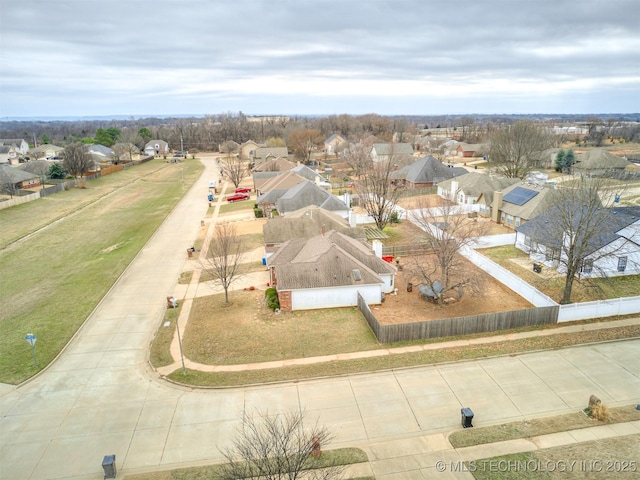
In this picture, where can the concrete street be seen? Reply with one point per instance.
(100, 397)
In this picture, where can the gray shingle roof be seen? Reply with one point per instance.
(308, 193)
(306, 223)
(618, 218)
(426, 170)
(536, 205)
(326, 261)
(600, 159)
(473, 184)
(11, 176)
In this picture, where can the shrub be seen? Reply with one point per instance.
(394, 218)
(258, 212)
(600, 412)
(272, 298)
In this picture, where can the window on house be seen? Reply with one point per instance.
(503, 217)
(587, 266)
(551, 254)
(622, 264)
(517, 221)
(527, 241)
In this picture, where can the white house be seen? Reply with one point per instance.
(156, 147)
(614, 251)
(21, 146)
(328, 271)
(466, 189)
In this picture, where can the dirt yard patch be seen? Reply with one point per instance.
(405, 306)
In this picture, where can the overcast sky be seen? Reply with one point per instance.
(157, 57)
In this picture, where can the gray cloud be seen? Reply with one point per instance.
(315, 56)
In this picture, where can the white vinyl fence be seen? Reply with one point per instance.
(600, 308)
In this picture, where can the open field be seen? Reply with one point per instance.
(51, 281)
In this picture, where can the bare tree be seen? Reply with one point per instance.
(235, 168)
(515, 149)
(77, 160)
(278, 446)
(377, 191)
(305, 142)
(573, 229)
(224, 256)
(448, 230)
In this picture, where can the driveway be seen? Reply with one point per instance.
(101, 397)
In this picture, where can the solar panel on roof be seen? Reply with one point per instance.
(519, 195)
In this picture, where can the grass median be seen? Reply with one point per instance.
(52, 280)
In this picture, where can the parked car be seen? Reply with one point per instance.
(243, 190)
(237, 196)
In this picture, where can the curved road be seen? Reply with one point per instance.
(101, 398)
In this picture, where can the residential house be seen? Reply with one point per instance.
(125, 152)
(9, 155)
(613, 251)
(40, 168)
(450, 148)
(547, 158)
(306, 223)
(328, 271)
(399, 154)
(20, 144)
(281, 181)
(332, 143)
(265, 171)
(597, 162)
(46, 151)
(467, 189)
(277, 165)
(247, 150)
(469, 150)
(260, 178)
(515, 205)
(264, 154)
(156, 147)
(299, 196)
(13, 179)
(425, 172)
(100, 153)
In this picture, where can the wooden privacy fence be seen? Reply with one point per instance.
(407, 250)
(448, 327)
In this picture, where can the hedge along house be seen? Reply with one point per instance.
(328, 271)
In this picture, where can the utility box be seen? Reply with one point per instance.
(467, 417)
(109, 466)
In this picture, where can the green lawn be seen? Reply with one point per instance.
(52, 281)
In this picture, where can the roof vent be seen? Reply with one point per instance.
(356, 275)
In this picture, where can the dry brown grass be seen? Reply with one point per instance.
(247, 331)
(599, 412)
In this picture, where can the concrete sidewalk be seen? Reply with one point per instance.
(164, 371)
